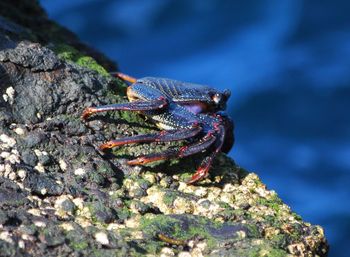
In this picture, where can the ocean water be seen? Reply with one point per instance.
(287, 64)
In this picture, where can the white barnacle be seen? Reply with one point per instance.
(22, 173)
(102, 238)
(10, 92)
(62, 164)
(7, 141)
(79, 172)
(6, 236)
(5, 97)
(40, 167)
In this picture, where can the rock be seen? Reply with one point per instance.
(42, 184)
(60, 196)
(10, 194)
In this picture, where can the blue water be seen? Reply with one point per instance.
(287, 64)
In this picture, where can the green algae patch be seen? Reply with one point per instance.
(169, 198)
(274, 203)
(265, 250)
(68, 53)
(184, 227)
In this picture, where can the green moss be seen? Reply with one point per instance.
(104, 169)
(68, 53)
(296, 216)
(274, 203)
(124, 213)
(273, 220)
(265, 251)
(96, 209)
(79, 246)
(169, 198)
(194, 227)
(89, 62)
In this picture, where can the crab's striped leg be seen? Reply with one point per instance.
(123, 76)
(155, 104)
(163, 136)
(184, 151)
(203, 169)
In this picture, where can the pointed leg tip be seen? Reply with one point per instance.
(87, 113)
(193, 180)
(105, 147)
(200, 174)
(123, 76)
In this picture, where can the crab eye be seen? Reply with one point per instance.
(216, 98)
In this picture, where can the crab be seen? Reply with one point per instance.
(183, 111)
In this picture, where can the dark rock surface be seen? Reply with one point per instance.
(61, 196)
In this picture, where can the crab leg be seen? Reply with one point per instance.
(203, 169)
(123, 76)
(155, 104)
(164, 136)
(184, 151)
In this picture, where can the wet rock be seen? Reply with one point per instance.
(10, 194)
(3, 217)
(29, 158)
(42, 184)
(31, 55)
(101, 213)
(8, 249)
(52, 236)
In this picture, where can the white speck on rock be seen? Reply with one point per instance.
(22, 174)
(21, 244)
(5, 97)
(37, 152)
(79, 172)
(184, 254)
(8, 141)
(8, 168)
(43, 191)
(4, 155)
(63, 165)
(40, 224)
(5, 235)
(102, 238)
(12, 176)
(10, 92)
(39, 167)
(19, 131)
(13, 159)
(167, 252)
(67, 226)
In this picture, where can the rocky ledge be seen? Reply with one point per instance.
(61, 196)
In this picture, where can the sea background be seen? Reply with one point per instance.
(287, 64)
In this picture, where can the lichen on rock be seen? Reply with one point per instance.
(60, 195)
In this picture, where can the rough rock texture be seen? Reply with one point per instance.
(61, 196)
